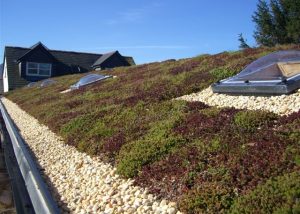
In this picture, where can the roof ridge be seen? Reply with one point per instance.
(16, 47)
(55, 50)
(76, 52)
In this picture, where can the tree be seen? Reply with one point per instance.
(277, 23)
(243, 44)
(291, 9)
(264, 25)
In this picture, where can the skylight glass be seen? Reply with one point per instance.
(47, 82)
(276, 73)
(31, 84)
(89, 79)
(272, 67)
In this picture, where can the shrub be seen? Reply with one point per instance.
(137, 154)
(221, 73)
(207, 198)
(250, 121)
(211, 112)
(277, 195)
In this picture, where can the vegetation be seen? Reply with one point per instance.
(209, 160)
(243, 44)
(277, 22)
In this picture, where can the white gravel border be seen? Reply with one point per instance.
(282, 105)
(78, 182)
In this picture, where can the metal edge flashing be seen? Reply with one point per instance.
(39, 194)
(21, 197)
(255, 88)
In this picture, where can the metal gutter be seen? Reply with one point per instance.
(21, 199)
(39, 194)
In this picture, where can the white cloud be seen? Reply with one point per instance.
(142, 47)
(132, 15)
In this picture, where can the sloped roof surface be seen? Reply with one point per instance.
(104, 57)
(67, 57)
(1, 70)
(75, 58)
(12, 54)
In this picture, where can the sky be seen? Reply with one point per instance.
(149, 30)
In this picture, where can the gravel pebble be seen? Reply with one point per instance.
(78, 182)
(281, 105)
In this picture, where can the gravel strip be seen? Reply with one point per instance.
(282, 105)
(78, 182)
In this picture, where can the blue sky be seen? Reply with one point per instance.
(147, 30)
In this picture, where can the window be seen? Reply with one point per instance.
(38, 69)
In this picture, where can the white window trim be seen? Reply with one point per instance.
(38, 68)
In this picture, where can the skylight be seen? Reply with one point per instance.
(276, 73)
(47, 82)
(89, 79)
(31, 84)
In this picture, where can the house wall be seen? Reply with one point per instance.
(115, 60)
(5, 77)
(39, 55)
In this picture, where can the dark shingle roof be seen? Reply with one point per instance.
(1, 71)
(130, 60)
(85, 60)
(12, 54)
(104, 57)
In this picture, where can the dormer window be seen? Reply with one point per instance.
(38, 69)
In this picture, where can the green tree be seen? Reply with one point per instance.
(243, 44)
(291, 9)
(263, 33)
(277, 22)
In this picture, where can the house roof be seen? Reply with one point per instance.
(32, 48)
(1, 70)
(12, 54)
(85, 60)
(103, 58)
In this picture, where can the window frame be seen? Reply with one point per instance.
(38, 69)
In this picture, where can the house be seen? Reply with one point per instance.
(24, 65)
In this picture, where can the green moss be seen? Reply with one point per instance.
(211, 112)
(221, 73)
(157, 142)
(250, 121)
(210, 198)
(277, 195)
(130, 120)
(77, 125)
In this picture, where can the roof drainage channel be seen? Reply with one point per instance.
(39, 194)
(15, 182)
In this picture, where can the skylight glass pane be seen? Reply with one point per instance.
(277, 73)
(47, 82)
(31, 84)
(88, 79)
(268, 65)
